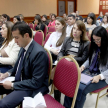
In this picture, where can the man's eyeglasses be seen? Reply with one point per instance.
(97, 41)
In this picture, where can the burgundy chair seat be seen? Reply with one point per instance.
(96, 91)
(51, 102)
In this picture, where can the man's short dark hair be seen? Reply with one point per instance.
(73, 16)
(23, 28)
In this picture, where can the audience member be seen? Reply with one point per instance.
(100, 17)
(16, 19)
(71, 20)
(1, 38)
(77, 46)
(73, 13)
(105, 21)
(5, 17)
(52, 22)
(40, 25)
(45, 20)
(30, 70)
(56, 39)
(9, 50)
(91, 23)
(65, 17)
(96, 66)
(21, 18)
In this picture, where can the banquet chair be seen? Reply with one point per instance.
(51, 29)
(31, 25)
(50, 64)
(39, 37)
(45, 31)
(98, 92)
(34, 26)
(47, 37)
(66, 80)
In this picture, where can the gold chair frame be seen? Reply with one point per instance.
(78, 82)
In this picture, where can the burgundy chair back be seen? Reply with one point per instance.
(46, 38)
(34, 27)
(66, 77)
(39, 37)
(51, 29)
(45, 31)
(31, 25)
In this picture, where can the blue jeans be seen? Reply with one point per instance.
(91, 87)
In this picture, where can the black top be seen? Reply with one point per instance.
(46, 22)
(83, 50)
(40, 27)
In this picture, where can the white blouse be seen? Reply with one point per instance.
(12, 50)
(51, 42)
(104, 25)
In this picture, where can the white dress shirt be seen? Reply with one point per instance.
(51, 42)
(68, 30)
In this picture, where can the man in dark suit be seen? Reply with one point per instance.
(30, 70)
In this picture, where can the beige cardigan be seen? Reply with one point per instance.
(12, 50)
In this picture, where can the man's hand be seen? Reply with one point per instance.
(3, 75)
(7, 84)
(96, 79)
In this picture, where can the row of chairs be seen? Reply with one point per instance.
(40, 39)
(46, 30)
(49, 98)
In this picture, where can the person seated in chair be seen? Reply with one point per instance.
(9, 49)
(16, 19)
(54, 43)
(30, 70)
(77, 46)
(40, 24)
(96, 66)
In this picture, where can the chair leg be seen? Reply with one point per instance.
(57, 95)
(97, 100)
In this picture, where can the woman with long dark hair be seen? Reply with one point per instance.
(40, 25)
(91, 23)
(96, 66)
(9, 49)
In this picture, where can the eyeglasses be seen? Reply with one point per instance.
(97, 41)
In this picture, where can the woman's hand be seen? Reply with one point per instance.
(82, 68)
(96, 79)
(55, 51)
(3, 75)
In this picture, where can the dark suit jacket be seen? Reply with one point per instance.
(34, 70)
(82, 51)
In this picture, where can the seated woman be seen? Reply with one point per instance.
(91, 23)
(9, 50)
(96, 65)
(16, 19)
(105, 22)
(5, 17)
(56, 39)
(45, 20)
(40, 25)
(77, 46)
(52, 22)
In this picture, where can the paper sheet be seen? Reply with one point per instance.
(8, 79)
